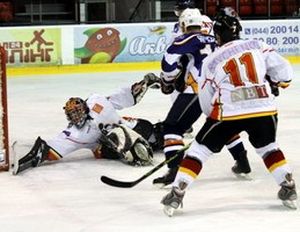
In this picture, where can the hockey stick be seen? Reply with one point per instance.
(130, 184)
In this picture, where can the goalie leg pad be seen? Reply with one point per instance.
(113, 143)
(40, 152)
(37, 154)
(140, 154)
(128, 145)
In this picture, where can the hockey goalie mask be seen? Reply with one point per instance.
(76, 111)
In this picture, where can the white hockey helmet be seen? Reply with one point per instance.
(190, 17)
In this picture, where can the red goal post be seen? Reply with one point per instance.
(4, 142)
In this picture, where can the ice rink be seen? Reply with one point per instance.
(68, 195)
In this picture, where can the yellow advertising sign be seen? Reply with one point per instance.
(36, 46)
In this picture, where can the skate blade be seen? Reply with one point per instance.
(169, 211)
(291, 204)
(163, 186)
(243, 176)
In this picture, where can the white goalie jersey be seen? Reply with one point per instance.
(101, 110)
(233, 81)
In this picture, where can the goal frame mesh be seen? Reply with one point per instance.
(4, 166)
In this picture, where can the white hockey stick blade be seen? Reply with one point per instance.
(168, 210)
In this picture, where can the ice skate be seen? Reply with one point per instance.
(167, 179)
(172, 201)
(287, 193)
(241, 168)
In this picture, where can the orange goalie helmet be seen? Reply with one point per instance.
(76, 111)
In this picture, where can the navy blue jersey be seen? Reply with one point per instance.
(195, 46)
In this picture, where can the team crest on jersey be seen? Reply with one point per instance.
(97, 108)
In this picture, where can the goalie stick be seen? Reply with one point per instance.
(130, 184)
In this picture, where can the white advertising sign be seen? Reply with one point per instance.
(282, 35)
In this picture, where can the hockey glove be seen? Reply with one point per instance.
(138, 91)
(152, 81)
(275, 85)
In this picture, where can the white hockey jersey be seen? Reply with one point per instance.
(232, 84)
(102, 110)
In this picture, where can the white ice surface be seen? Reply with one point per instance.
(68, 195)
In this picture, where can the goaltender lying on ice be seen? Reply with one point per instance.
(95, 124)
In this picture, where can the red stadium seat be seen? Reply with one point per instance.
(6, 11)
(291, 7)
(260, 7)
(231, 3)
(246, 8)
(276, 7)
(211, 8)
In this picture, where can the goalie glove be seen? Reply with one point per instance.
(139, 89)
(152, 81)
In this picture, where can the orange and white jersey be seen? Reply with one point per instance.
(101, 110)
(232, 84)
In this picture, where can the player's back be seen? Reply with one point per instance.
(195, 45)
(238, 71)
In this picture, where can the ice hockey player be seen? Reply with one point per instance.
(95, 124)
(182, 76)
(206, 28)
(235, 96)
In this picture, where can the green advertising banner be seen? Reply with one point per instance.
(36, 46)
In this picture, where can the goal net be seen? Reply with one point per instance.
(4, 152)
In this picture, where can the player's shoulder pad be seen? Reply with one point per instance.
(193, 38)
(206, 38)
